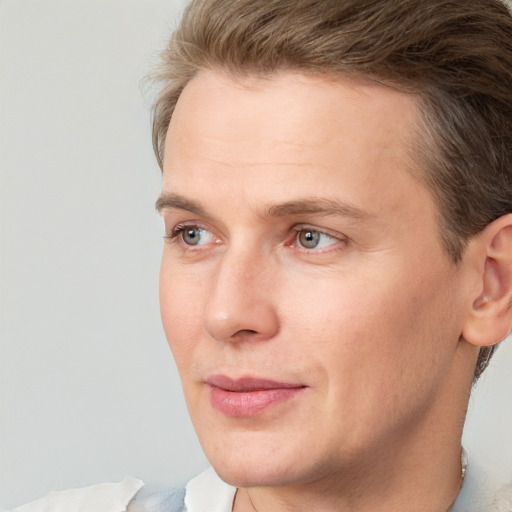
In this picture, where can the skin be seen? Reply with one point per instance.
(369, 322)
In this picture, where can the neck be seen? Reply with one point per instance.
(429, 485)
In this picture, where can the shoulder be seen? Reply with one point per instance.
(165, 501)
(107, 497)
(503, 499)
(130, 496)
(482, 490)
(497, 501)
(204, 493)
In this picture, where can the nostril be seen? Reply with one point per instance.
(246, 335)
(246, 332)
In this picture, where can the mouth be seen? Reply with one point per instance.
(249, 396)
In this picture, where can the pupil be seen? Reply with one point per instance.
(309, 239)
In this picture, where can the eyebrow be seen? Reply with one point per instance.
(177, 202)
(316, 206)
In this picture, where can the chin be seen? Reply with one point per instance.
(258, 460)
(253, 474)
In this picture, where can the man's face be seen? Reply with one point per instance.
(311, 310)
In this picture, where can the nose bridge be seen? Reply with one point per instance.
(240, 302)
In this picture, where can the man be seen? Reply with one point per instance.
(337, 196)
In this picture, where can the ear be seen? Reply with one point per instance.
(490, 317)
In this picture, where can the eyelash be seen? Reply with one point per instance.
(179, 229)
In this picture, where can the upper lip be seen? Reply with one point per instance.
(248, 383)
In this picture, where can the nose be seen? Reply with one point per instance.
(240, 305)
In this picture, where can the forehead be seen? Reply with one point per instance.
(291, 108)
(290, 136)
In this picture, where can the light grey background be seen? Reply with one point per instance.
(88, 389)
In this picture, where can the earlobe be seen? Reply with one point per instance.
(490, 318)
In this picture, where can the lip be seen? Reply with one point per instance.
(248, 396)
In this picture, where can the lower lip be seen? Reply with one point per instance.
(249, 403)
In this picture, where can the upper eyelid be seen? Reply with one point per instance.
(175, 216)
(187, 224)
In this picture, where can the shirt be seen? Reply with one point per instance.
(208, 493)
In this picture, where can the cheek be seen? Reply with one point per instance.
(377, 323)
(338, 306)
(181, 307)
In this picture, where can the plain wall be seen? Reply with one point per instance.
(88, 389)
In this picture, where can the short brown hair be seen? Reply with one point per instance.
(455, 55)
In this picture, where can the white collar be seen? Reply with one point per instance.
(109, 497)
(208, 493)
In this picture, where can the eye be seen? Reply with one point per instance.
(312, 239)
(193, 235)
